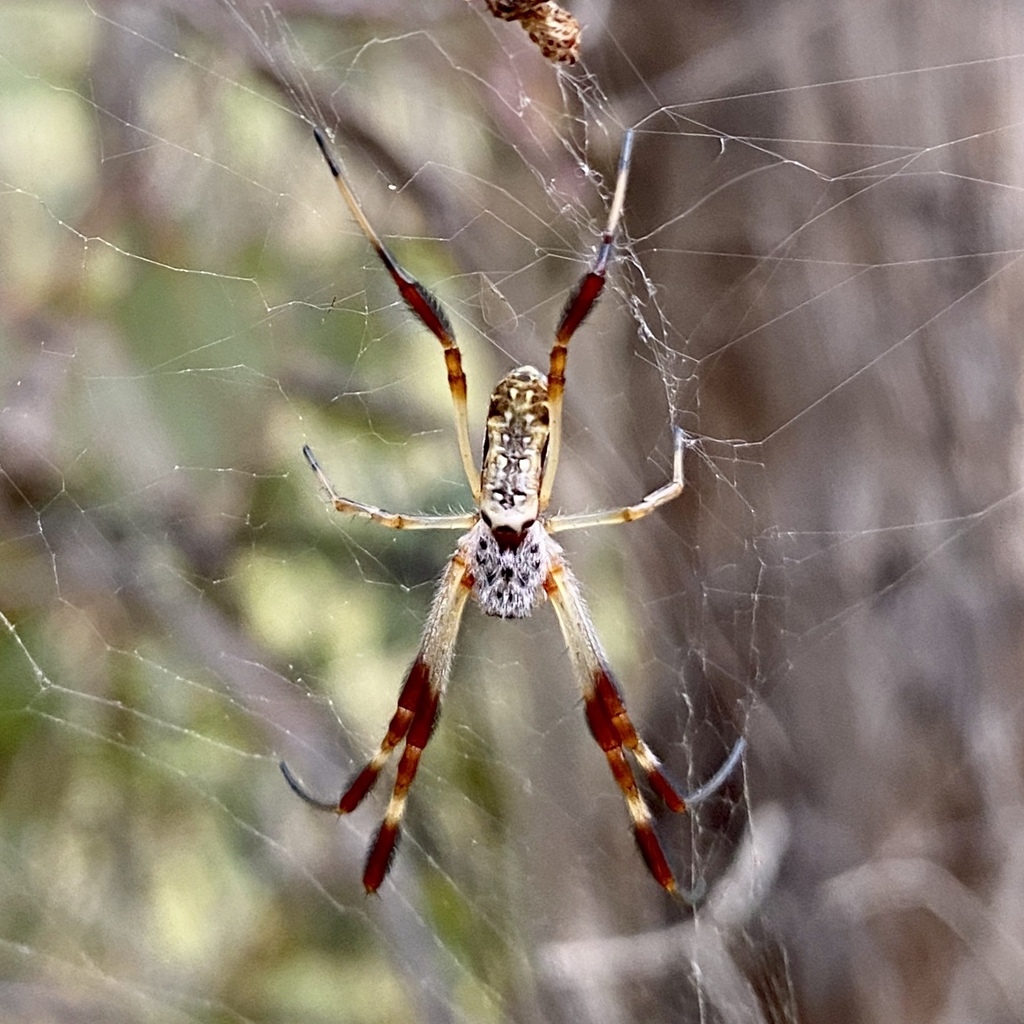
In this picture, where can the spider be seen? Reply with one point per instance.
(508, 559)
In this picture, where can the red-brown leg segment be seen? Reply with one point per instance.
(425, 307)
(607, 692)
(608, 721)
(605, 731)
(580, 303)
(412, 721)
(610, 724)
(415, 686)
(408, 700)
(382, 850)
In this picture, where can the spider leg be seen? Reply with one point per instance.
(425, 307)
(609, 721)
(581, 301)
(413, 721)
(627, 514)
(392, 520)
(416, 682)
(613, 729)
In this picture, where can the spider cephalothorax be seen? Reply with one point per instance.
(509, 560)
(508, 569)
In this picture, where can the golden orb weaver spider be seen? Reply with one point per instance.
(508, 559)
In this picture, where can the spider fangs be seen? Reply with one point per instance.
(508, 559)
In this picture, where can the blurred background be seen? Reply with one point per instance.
(819, 278)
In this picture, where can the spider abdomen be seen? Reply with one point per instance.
(515, 446)
(509, 569)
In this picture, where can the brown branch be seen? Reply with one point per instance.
(555, 31)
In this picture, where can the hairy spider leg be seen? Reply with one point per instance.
(609, 721)
(613, 729)
(425, 307)
(392, 520)
(630, 513)
(413, 721)
(581, 302)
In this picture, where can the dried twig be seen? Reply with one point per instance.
(552, 28)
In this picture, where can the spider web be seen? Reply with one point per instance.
(817, 276)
